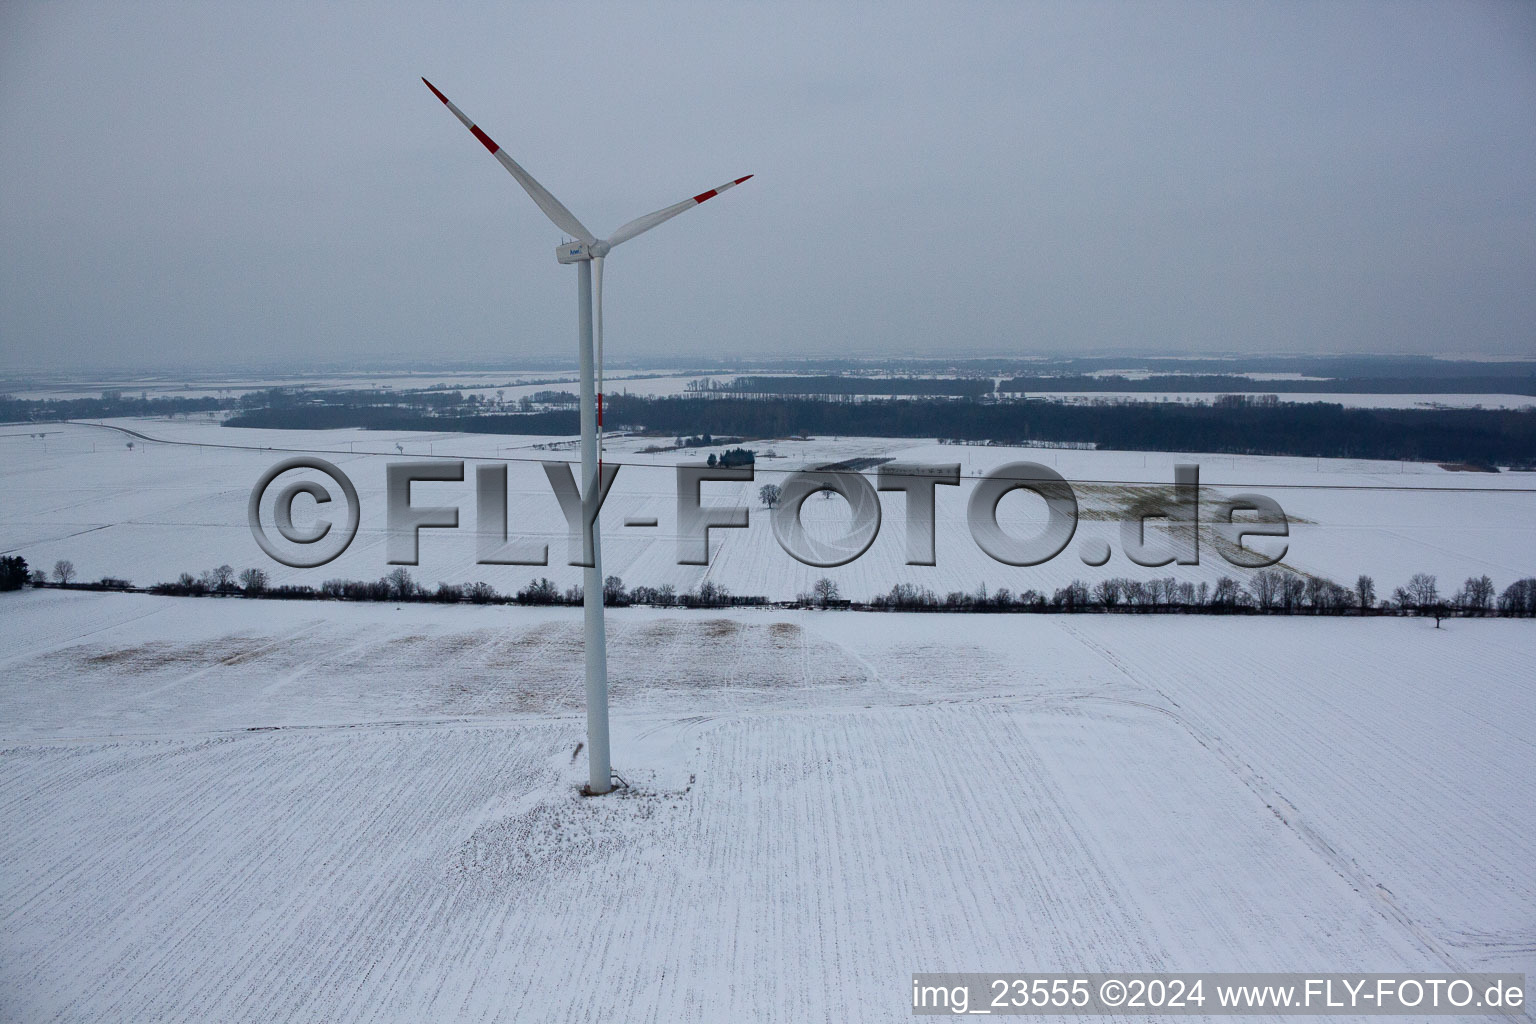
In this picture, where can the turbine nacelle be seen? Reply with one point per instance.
(577, 251)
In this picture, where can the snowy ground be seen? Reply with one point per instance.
(232, 810)
(511, 384)
(1348, 400)
(150, 513)
(514, 384)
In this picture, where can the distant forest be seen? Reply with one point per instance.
(54, 410)
(1475, 436)
(946, 406)
(1184, 383)
(834, 387)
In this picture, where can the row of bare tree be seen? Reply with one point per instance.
(1270, 592)
(399, 585)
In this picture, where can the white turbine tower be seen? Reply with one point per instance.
(586, 252)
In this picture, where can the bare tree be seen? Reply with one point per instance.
(1317, 592)
(710, 595)
(768, 494)
(908, 595)
(253, 581)
(1423, 591)
(400, 584)
(64, 571)
(1365, 592)
(1324, 595)
(1266, 587)
(1072, 596)
(1339, 598)
(1228, 593)
(825, 591)
(1477, 595)
(1107, 592)
(480, 592)
(539, 591)
(1292, 589)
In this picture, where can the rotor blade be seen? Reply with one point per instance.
(564, 219)
(641, 225)
(597, 316)
(597, 340)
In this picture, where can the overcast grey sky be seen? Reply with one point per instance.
(207, 184)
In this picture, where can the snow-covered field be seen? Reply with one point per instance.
(159, 509)
(229, 810)
(1348, 400)
(514, 384)
(233, 810)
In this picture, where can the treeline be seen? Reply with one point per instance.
(388, 417)
(841, 388)
(1422, 371)
(14, 574)
(398, 585)
(1475, 436)
(1506, 437)
(422, 400)
(1271, 592)
(111, 403)
(1464, 385)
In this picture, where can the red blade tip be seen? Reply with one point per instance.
(434, 91)
(738, 181)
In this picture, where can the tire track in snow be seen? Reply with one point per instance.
(1378, 896)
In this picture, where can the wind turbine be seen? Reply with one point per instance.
(587, 252)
